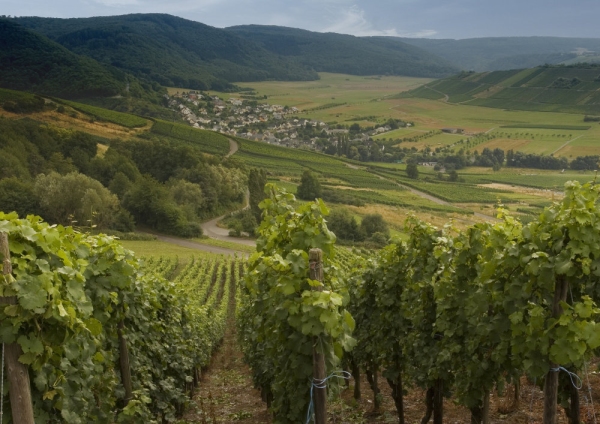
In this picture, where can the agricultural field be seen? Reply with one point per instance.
(157, 248)
(398, 134)
(289, 162)
(368, 101)
(205, 285)
(358, 98)
(207, 141)
(119, 118)
(565, 89)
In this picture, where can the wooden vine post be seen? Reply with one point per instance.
(17, 373)
(551, 383)
(315, 257)
(124, 363)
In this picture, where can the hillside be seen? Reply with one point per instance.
(501, 53)
(574, 89)
(29, 61)
(170, 50)
(177, 52)
(346, 54)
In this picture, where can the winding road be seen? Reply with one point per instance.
(212, 230)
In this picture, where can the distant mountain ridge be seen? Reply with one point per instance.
(572, 89)
(340, 53)
(177, 52)
(503, 53)
(172, 51)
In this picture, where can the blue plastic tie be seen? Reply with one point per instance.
(571, 375)
(321, 384)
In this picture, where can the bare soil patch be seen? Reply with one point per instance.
(547, 194)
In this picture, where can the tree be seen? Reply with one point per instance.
(188, 196)
(77, 197)
(257, 178)
(453, 175)
(17, 195)
(412, 171)
(309, 188)
(151, 203)
(344, 225)
(374, 223)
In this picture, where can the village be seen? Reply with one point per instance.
(273, 124)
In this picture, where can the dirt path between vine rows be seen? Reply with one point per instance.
(226, 393)
(233, 147)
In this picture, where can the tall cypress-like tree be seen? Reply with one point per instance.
(256, 187)
(309, 188)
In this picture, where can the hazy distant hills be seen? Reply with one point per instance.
(83, 56)
(330, 52)
(29, 61)
(574, 88)
(501, 53)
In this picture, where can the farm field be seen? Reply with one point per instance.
(369, 101)
(571, 89)
(334, 97)
(372, 100)
(119, 118)
(399, 133)
(159, 248)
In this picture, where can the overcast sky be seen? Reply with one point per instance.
(406, 18)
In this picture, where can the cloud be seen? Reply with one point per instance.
(353, 21)
(159, 6)
(424, 33)
(117, 3)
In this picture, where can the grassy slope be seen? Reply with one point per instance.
(573, 89)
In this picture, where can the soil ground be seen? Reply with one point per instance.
(227, 395)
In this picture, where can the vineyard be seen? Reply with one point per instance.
(445, 313)
(106, 337)
(208, 141)
(571, 89)
(284, 161)
(443, 317)
(119, 118)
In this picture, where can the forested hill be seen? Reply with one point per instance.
(330, 52)
(501, 53)
(574, 89)
(170, 50)
(177, 52)
(29, 61)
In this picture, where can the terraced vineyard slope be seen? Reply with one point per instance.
(572, 89)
